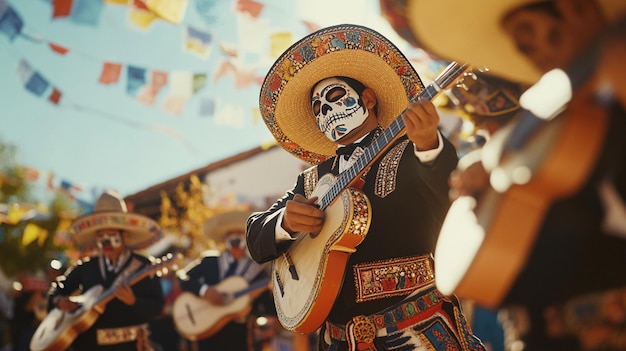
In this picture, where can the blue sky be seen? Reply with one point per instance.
(114, 141)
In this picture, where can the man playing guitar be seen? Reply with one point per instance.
(123, 323)
(226, 290)
(337, 90)
(571, 288)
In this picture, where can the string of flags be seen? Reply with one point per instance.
(142, 13)
(145, 84)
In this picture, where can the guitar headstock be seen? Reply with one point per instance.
(166, 263)
(451, 74)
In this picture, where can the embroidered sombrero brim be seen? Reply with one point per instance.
(344, 50)
(142, 231)
(219, 225)
(470, 31)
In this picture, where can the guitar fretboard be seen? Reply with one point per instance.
(392, 133)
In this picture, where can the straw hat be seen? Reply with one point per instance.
(110, 213)
(470, 31)
(342, 50)
(219, 225)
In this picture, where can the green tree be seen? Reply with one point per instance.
(19, 211)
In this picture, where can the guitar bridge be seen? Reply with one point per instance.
(292, 267)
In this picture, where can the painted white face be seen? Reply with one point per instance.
(337, 107)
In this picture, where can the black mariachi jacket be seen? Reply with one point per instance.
(87, 274)
(408, 199)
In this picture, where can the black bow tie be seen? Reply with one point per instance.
(346, 151)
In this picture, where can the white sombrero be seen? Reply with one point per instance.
(110, 212)
(470, 31)
(219, 225)
(344, 50)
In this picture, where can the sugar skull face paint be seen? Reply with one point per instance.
(109, 239)
(337, 107)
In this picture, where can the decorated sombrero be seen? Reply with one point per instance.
(219, 225)
(110, 212)
(343, 50)
(470, 31)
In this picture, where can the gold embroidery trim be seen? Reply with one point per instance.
(395, 277)
(112, 336)
(310, 180)
(387, 170)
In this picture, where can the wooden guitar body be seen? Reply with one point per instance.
(59, 329)
(307, 279)
(485, 240)
(196, 318)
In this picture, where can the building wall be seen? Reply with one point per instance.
(258, 180)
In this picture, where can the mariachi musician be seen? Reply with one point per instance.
(123, 325)
(206, 276)
(336, 90)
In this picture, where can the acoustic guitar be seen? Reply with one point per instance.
(307, 278)
(485, 239)
(59, 328)
(196, 318)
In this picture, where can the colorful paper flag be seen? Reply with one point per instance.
(230, 115)
(198, 42)
(87, 12)
(24, 71)
(61, 8)
(279, 42)
(149, 92)
(252, 7)
(136, 79)
(67, 185)
(58, 49)
(139, 16)
(33, 232)
(207, 107)
(55, 96)
(199, 81)
(170, 10)
(37, 84)
(175, 105)
(11, 23)
(110, 73)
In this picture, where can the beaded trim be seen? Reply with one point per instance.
(388, 169)
(310, 181)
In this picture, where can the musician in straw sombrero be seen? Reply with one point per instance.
(569, 290)
(327, 99)
(223, 324)
(116, 233)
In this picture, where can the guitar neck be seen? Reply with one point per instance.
(134, 278)
(261, 284)
(395, 130)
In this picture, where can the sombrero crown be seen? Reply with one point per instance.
(110, 212)
(344, 50)
(219, 225)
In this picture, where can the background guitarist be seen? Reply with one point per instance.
(573, 287)
(123, 325)
(201, 276)
(328, 93)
